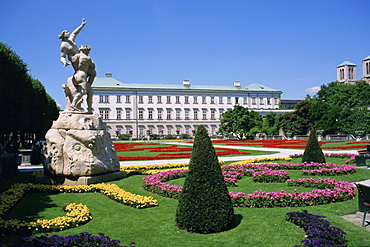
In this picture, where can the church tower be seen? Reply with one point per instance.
(346, 72)
(366, 69)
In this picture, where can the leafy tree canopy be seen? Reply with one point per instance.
(240, 122)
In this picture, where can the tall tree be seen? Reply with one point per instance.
(204, 204)
(313, 152)
(240, 121)
(25, 106)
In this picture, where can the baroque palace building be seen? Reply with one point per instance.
(173, 109)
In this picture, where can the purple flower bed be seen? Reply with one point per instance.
(270, 176)
(319, 231)
(84, 239)
(328, 190)
(340, 170)
(350, 157)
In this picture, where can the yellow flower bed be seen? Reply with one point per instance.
(151, 169)
(259, 160)
(76, 214)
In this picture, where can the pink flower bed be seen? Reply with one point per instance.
(328, 190)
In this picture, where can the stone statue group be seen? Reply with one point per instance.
(78, 148)
(84, 70)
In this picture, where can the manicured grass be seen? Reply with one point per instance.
(156, 226)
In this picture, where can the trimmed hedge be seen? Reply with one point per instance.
(204, 203)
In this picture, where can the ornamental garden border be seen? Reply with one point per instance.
(328, 190)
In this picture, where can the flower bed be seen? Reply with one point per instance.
(76, 213)
(82, 239)
(298, 144)
(329, 155)
(328, 191)
(319, 231)
(341, 170)
(270, 176)
(129, 147)
(332, 191)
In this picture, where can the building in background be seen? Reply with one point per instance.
(347, 71)
(174, 109)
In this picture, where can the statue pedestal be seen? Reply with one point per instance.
(84, 180)
(79, 150)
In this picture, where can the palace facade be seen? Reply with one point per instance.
(139, 109)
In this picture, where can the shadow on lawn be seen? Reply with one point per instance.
(236, 221)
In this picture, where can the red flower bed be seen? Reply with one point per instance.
(298, 144)
(128, 147)
(167, 149)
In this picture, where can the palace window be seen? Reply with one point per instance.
(119, 113)
(141, 114)
(118, 98)
(103, 98)
(150, 114)
(127, 98)
(150, 99)
(104, 114)
(178, 114)
(204, 111)
(196, 114)
(186, 99)
(177, 99)
(212, 100)
(159, 99)
(128, 113)
(220, 100)
(195, 99)
(159, 113)
(213, 114)
(141, 100)
(204, 100)
(168, 114)
(168, 99)
(229, 100)
(187, 114)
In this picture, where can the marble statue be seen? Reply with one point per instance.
(84, 70)
(78, 148)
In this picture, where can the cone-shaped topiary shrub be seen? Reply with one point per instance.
(204, 203)
(313, 152)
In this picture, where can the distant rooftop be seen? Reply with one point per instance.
(108, 82)
(346, 62)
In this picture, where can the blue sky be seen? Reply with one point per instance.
(289, 45)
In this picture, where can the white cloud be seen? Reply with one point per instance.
(312, 90)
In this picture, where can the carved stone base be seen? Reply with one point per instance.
(78, 145)
(84, 180)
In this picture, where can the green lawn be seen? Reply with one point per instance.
(155, 226)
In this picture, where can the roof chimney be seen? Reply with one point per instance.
(236, 83)
(186, 82)
(108, 74)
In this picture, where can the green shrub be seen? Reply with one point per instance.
(124, 136)
(154, 136)
(313, 152)
(204, 203)
(170, 137)
(185, 136)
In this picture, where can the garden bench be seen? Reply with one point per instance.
(363, 199)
